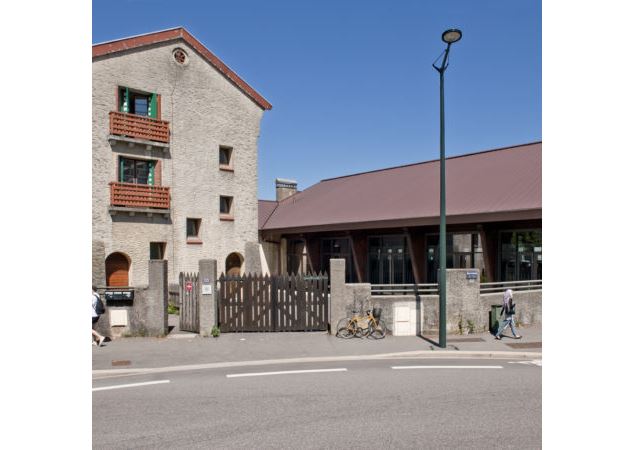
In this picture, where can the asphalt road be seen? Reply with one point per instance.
(369, 405)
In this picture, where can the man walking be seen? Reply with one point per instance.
(98, 309)
(508, 311)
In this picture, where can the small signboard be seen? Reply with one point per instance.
(205, 280)
(206, 289)
(472, 275)
(188, 286)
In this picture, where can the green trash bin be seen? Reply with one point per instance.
(494, 317)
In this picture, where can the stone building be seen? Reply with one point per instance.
(175, 144)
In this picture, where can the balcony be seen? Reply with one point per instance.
(142, 130)
(131, 198)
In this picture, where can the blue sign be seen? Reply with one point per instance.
(472, 275)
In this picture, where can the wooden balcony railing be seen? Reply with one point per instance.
(131, 125)
(139, 195)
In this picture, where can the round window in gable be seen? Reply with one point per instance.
(180, 56)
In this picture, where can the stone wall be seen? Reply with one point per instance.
(410, 315)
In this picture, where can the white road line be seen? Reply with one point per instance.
(285, 372)
(120, 386)
(535, 362)
(446, 367)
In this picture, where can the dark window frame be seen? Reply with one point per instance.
(197, 227)
(229, 214)
(161, 248)
(229, 165)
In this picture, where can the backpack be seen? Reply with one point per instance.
(99, 305)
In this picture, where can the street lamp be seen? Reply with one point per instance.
(449, 37)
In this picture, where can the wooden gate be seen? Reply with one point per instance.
(279, 303)
(188, 293)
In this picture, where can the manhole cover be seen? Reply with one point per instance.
(466, 340)
(525, 345)
(120, 362)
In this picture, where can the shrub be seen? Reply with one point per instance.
(215, 331)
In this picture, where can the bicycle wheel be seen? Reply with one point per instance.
(377, 331)
(345, 329)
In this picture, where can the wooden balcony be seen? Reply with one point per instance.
(139, 127)
(141, 196)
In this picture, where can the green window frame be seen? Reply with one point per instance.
(151, 168)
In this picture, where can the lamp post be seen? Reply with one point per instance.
(449, 37)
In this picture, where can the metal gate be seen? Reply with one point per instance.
(279, 303)
(188, 293)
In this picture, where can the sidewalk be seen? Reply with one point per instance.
(181, 348)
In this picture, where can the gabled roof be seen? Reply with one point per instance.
(119, 45)
(500, 184)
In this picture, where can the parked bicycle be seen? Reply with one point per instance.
(369, 325)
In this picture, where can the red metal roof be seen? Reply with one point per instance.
(265, 208)
(119, 45)
(501, 184)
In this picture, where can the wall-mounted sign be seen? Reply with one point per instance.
(205, 280)
(206, 289)
(472, 275)
(188, 286)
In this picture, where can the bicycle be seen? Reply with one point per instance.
(369, 325)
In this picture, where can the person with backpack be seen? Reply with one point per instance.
(509, 309)
(98, 310)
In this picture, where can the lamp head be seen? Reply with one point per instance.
(451, 36)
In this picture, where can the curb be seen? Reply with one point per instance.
(425, 354)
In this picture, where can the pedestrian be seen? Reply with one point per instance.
(509, 312)
(98, 310)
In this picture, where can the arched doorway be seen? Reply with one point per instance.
(233, 264)
(117, 267)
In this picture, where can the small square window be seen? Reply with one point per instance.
(157, 250)
(226, 204)
(193, 228)
(225, 158)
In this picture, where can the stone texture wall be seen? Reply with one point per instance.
(205, 111)
(463, 303)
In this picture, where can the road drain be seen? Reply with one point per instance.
(525, 345)
(120, 362)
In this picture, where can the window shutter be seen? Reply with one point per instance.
(157, 173)
(125, 103)
(152, 107)
(120, 169)
(151, 173)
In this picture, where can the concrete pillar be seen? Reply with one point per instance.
(156, 307)
(337, 306)
(252, 258)
(208, 296)
(463, 298)
(99, 263)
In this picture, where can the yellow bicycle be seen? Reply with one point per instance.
(359, 326)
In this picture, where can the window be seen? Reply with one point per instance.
(520, 255)
(297, 258)
(226, 211)
(137, 171)
(462, 251)
(193, 228)
(138, 103)
(389, 260)
(336, 248)
(157, 250)
(225, 158)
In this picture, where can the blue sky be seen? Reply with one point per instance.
(351, 82)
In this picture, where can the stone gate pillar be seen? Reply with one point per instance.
(208, 296)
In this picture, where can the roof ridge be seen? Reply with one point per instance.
(139, 35)
(478, 152)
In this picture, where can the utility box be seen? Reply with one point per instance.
(494, 317)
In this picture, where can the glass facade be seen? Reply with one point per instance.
(520, 255)
(389, 260)
(337, 248)
(463, 251)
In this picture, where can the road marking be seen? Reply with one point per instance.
(120, 386)
(535, 362)
(446, 367)
(285, 372)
